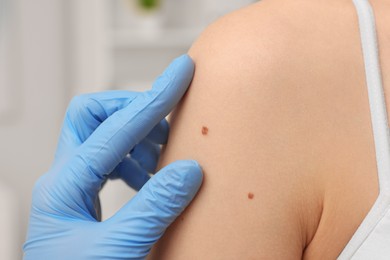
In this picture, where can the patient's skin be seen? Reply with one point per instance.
(280, 86)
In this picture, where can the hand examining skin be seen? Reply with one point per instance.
(113, 134)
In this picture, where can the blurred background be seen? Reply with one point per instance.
(51, 50)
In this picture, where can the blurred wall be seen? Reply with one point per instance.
(30, 125)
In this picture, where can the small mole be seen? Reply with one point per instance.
(181, 218)
(250, 195)
(205, 130)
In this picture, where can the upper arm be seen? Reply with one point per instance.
(244, 95)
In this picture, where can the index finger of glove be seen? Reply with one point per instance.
(119, 133)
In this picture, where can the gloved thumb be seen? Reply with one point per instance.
(143, 220)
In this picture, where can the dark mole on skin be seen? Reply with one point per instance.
(250, 195)
(205, 130)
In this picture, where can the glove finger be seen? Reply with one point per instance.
(86, 112)
(131, 173)
(119, 133)
(146, 154)
(144, 219)
(159, 133)
(89, 164)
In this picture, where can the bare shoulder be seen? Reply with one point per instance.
(270, 85)
(274, 30)
(284, 47)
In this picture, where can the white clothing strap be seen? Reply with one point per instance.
(380, 132)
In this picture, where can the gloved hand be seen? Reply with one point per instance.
(115, 132)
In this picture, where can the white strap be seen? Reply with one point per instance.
(379, 126)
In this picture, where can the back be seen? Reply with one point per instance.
(289, 156)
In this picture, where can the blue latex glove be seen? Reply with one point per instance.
(98, 133)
